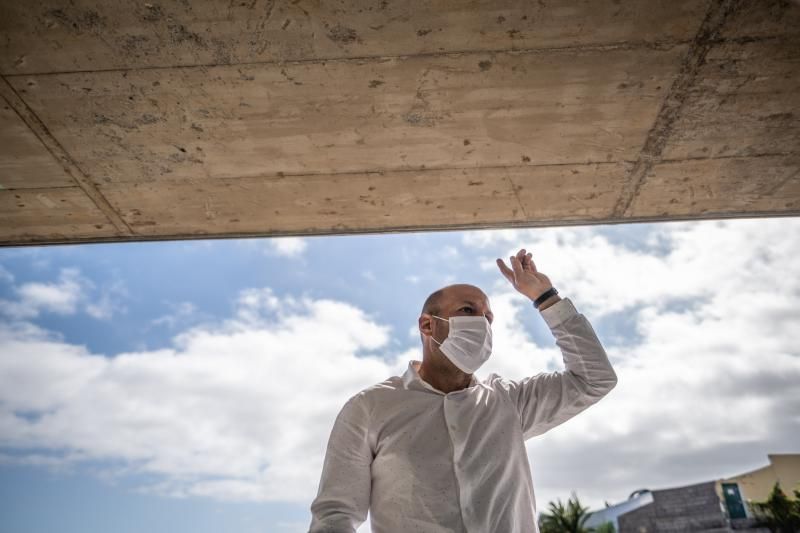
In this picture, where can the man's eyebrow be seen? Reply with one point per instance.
(469, 302)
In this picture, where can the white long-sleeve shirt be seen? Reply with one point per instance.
(423, 461)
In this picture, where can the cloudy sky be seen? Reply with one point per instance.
(191, 386)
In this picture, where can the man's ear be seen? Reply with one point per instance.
(425, 326)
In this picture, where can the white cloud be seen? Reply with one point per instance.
(239, 411)
(709, 389)
(450, 252)
(181, 312)
(109, 302)
(288, 246)
(704, 259)
(64, 297)
(242, 410)
(61, 297)
(291, 247)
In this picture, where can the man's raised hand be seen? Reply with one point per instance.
(524, 276)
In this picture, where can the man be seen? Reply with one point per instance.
(436, 450)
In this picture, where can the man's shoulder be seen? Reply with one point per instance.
(388, 385)
(497, 382)
(379, 390)
(494, 377)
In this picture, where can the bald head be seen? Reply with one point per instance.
(444, 300)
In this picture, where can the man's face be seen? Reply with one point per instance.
(458, 300)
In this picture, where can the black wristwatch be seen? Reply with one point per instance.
(544, 296)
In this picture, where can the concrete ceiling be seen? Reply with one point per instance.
(126, 121)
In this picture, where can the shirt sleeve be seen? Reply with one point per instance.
(548, 399)
(342, 499)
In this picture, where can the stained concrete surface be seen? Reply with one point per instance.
(168, 120)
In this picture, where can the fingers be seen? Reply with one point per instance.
(516, 265)
(507, 272)
(521, 258)
(526, 260)
(520, 263)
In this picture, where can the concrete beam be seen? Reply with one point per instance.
(42, 36)
(268, 118)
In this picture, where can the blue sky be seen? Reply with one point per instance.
(191, 386)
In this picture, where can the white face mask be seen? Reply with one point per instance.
(469, 343)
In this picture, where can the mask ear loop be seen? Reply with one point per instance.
(440, 318)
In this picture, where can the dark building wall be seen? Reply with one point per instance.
(690, 508)
(638, 520)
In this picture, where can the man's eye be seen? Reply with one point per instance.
(468, 308)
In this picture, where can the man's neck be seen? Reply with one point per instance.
(442, 380)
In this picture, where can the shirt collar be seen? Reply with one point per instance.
(411, 376)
